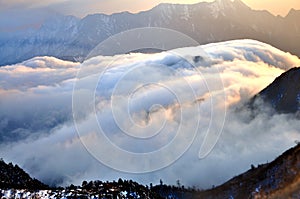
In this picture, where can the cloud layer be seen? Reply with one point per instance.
(172, 104)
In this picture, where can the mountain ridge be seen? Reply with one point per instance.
(12, 176)
(71, 38)
(283, 94)
(277, 179)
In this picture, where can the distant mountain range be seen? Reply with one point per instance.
(70, 38)
(283, 94)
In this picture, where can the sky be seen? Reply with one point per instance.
(20, 14)
(81, 8)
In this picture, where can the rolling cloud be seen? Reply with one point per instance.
(167, 104)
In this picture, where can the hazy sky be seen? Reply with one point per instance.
(82, 8)
(23, 14)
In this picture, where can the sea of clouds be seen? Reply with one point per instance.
(175, 115)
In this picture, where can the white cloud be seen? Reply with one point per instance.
(176, 94)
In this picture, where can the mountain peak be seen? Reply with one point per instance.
(70, 38)
(293, 13)
(229, 2)
(224, 1)
(12, 176)
(283, 94)
(277, 179)
(224, 7)
(221, 5)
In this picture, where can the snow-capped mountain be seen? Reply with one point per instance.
(70, 38)
(284, 93)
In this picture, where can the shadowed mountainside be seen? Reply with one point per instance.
(12, 176)
(278, 179)
(283, 94)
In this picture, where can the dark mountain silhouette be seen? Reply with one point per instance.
(70, 38)
(278, 179)
(12, 176)
(283, 94)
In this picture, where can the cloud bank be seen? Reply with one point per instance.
(169, 104)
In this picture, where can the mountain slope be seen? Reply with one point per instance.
(12, 176)
(278, 179)
(70, 38)
(283, 94)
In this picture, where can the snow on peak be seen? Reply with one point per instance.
(219, 7)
